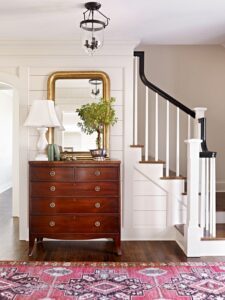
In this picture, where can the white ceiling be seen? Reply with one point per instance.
(149, 21)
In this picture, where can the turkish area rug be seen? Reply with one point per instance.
(111, 281)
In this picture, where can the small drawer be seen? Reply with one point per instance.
(96, 223)
(51, 174)
(51, 189)
(95, 173)
(97, 189)
(51, 206)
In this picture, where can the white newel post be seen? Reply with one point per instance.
(199, 113)
(192, 230)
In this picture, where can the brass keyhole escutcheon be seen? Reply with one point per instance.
(97, 188)
(97, 205)
(97, 224)
(52, 204)
(52, 188)
(51, 223)
(52, 173)
(97, 173)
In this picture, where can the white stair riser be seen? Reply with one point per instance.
(220, 217)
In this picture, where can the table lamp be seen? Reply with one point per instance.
(42, 115)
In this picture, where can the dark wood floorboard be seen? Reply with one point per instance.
(133, 251)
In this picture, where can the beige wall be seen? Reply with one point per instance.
(195, 75)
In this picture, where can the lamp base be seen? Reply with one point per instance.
(42, 144)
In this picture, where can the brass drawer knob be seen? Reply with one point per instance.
(97, 173)
(52, 204)
(97, 204)
(97, 224)
(51, 223)
(52, 173)
(52, 188)
(97, 188)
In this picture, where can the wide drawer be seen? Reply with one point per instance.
(96, 173)
(52, 174)
(53, 205)
(85, 189)
(75, 224)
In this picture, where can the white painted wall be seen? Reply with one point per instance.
(6, 122)
(31, 63)
(195, 75)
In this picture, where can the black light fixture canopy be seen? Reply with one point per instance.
(93, 27)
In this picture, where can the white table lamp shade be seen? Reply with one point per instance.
(42, 115)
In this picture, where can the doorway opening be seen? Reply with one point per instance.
(9, 200)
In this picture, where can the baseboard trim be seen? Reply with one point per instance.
(148, 234)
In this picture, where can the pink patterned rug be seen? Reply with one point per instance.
(111, 281)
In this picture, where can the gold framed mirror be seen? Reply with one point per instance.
(61, 79)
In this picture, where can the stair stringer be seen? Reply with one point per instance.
(151, 215)
(174, 188)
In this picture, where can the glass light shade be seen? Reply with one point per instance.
(92, 40)
(42, 114)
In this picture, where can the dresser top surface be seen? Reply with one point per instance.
(75, 163)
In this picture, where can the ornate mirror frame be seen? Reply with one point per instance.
(80, 75)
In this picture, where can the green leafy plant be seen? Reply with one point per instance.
(95, 116)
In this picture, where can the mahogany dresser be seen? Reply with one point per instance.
(74, 200)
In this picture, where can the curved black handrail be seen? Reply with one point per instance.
(153, 87)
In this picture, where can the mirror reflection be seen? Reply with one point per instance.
(70, 94)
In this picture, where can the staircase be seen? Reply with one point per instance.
(166, 205)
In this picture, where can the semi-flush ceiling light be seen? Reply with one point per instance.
(92, 34)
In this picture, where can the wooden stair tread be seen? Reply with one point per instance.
(185, 194)
(151, 162)
(137, 146)
(180, 228)
(220, 232)
(172, 177)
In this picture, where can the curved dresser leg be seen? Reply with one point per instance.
(31, 244)
(118, 245)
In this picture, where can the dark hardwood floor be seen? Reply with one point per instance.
(133, 251)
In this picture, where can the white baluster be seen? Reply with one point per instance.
(178, 144)
(202, 196)
(135, 100)
(207, 195)
(167, 138)
(189, 127)
(156, 127)
(212, 198)
(146, 123)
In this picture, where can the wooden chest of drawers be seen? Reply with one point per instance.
(74, 200)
